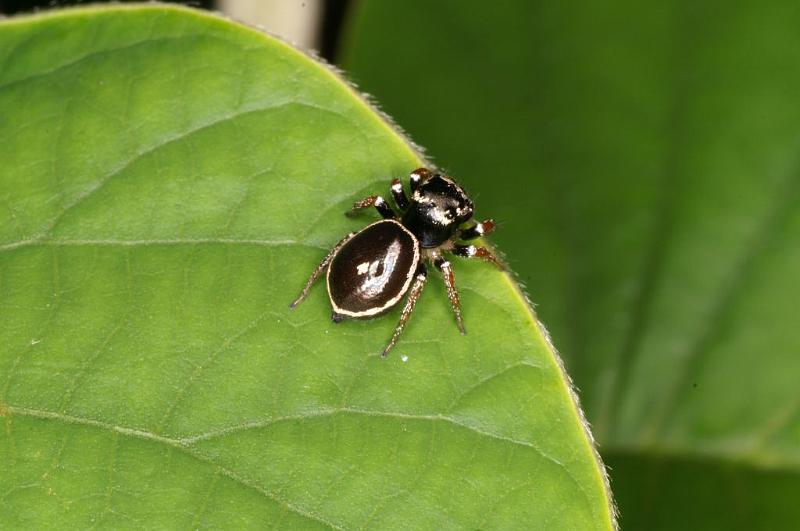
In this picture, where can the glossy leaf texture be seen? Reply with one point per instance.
(169, 180)
(642, 160)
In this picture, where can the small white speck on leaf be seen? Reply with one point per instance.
(404, 358)
(35, 341)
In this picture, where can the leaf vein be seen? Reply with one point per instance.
(169, 140)
(98, 53)
(484, 381)
(179, 397)
(174, 443)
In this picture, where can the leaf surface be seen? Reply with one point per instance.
(643, 162)
(169, 181)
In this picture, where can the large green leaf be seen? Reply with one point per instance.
(643, 161)
(168, 181)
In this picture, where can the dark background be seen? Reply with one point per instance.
(330, 27)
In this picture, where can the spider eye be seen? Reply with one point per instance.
(450, 213)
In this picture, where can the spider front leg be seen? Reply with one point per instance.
(452, 293)
(470, 251)
(376, 201)
(419, 176)
(483, 228)
(411, 301)
(318, 271)
(400, 198)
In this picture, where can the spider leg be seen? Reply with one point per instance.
(452, 293)
(320, 268)
(400, 198)
(470, 251)
(413, 295)
(419, 176)
(376, 201)
(483, 228)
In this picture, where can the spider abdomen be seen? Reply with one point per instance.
(372, 271)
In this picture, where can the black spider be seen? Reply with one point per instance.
(370, 271)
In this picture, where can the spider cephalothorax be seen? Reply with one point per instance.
(438, 207)
(370, 271)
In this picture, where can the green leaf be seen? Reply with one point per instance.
(643, 162)
(168, 182)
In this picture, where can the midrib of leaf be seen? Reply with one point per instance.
(184, 442)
